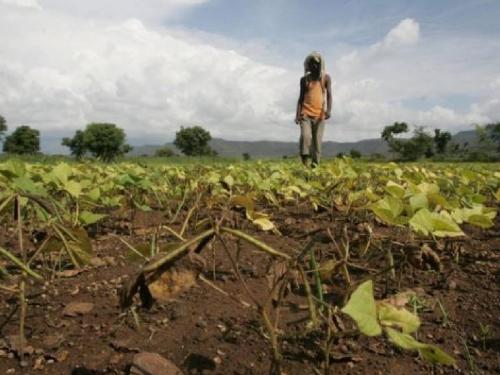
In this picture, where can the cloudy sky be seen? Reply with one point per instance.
(233, 66)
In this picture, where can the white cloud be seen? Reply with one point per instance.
(495, 84)
(407, 32)
(63, 67)
(22, 3)
(60, 77)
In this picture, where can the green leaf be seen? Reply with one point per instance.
(61, 172)
(94, 194)
(73, 188)
(13, 168)
(429, 352)
(395, 189)
(403, 340)
(27, 185)
(437, 224)
(419, 201)
(435, 355)
(87, 217)
(264, 223)
(388, 210)
(391, 316)
(361, 307)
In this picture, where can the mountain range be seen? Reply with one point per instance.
(272, 149)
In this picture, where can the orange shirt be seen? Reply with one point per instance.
(313, 100)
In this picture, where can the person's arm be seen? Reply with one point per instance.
(328, 84)
(298, 115)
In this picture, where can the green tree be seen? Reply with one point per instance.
(193, 141)
(246, 156)
(3, 126)
(105, 141)
(355, 154)
(441, 140)
(493, 131)
(24, 140)
(76, 144)
(164, 152)
(395, 145)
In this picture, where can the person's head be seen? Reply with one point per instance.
(314, 65)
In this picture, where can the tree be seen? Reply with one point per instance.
(395, 145)
(246, 156)
(441, 140)
(3, 126)
(193, 141)
(408, 149)
(76, 144)
(355, 154)
(24, 140)
(164, 152)
(493, 131)
(105, 141)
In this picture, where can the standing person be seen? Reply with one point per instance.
(315, 94)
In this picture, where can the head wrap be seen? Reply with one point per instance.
(314, 56)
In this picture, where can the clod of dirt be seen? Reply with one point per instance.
(97, 262)
(68, 273)
(153, 364)
(78, 308)
(171, 283)
(52, 342)
(14, 344)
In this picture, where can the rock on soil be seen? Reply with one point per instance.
(153, 364)
(78, 308)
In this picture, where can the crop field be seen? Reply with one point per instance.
(256, 267)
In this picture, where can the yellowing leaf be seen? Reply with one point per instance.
(391, 316)
(361, 307)
(388, 210)
(395, 189)
(264, 223)
(437, 224)
(73, 188)
(430, 353)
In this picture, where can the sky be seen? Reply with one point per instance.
(233, 66)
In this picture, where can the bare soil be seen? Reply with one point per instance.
(204, 331)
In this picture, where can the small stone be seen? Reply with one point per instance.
(452, 285)
(97, 262)
(39, 363)
(152, 364)
(110, 261)
(52, 342)
(23, 363)
(217, 360)
(61, 355)
(78, 308)
(11, 371)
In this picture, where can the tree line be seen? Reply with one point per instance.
(106, 142)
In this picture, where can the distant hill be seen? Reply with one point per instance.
(260, 149)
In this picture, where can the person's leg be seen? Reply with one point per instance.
(305, 140)
(318, 128)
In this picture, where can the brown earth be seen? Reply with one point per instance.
(203, 331)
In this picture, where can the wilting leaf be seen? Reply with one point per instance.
(430, 353)
(419, 201)
(361, 307)
(27, 185)
(438, 224)
(395, 189)
(73, 188)
(87, 217)
(264, 223)
(389, 210)
(391, 316)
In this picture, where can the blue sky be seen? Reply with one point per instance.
(233, 66)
